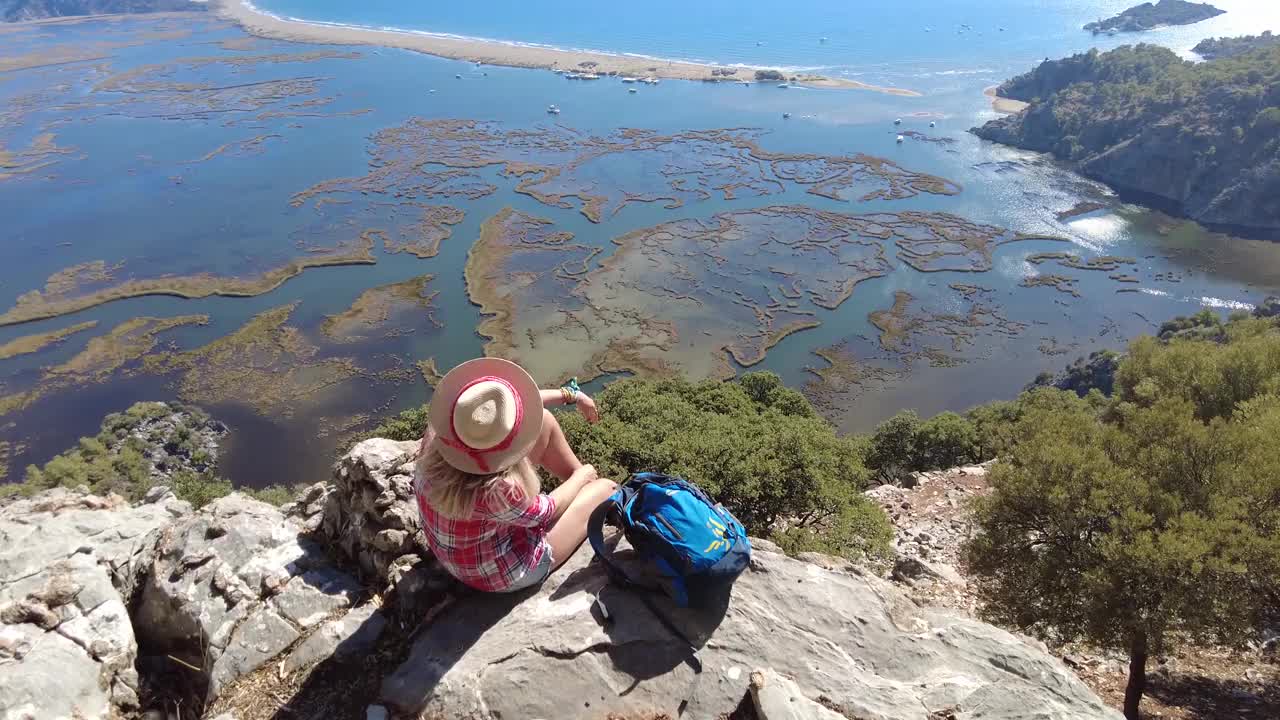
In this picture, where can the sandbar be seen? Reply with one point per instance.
(1005, 105)
(261, 24)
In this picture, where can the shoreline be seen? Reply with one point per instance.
(1005, 105)
(263, 25)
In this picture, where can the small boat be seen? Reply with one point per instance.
(898, 121)
(759, 43)
(553, 109)
(651, 81)
(431, 91)
(901, 138)
(457, 77)
(1001, 29)
(588, 76)
(572, 76)
(745, 83)
(933, 124)
(822, 39)
(628, 80)
(784, 86)
(786, 115)
(632, 90)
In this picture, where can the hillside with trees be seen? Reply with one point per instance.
(1149, 16)
(1213, 48)
(1195, 139)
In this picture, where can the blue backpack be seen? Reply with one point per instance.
(696, 543)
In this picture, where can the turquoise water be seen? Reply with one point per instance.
(129, 191)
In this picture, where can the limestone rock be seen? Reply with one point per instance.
(856, 641)
(368, 511)
(353, 634)
(69, 565)
(778, 698)
(261, 637)
(234, 585)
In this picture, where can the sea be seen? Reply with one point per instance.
(170, 162)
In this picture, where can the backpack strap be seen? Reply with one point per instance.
(595, 535)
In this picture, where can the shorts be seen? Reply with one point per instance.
(537, 575)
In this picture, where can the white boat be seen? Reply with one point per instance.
(901, 138)
(572, 76)
(457, 77)
(898, 121)
(650, 81)
(632, 90)
(933, 124)
(431, 91)
(588, 76)
(628, 80)
(786, 115)
(822, 39)
(553, 109)
(784, 86)
(744, 82)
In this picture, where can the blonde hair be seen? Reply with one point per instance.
(455, 493)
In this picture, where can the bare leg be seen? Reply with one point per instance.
(571, 529)
(552, 450)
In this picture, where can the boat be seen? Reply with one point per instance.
(933, 124)
(822, 39)
(457, 77)
(628, 80)
(572, 76)
(431, 91)
(632, 90)
(898, 121)
(901, 138)
(784, 86)
(786, 115)
(745, 83)
(553, 109)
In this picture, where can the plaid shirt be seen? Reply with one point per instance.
(501, 541)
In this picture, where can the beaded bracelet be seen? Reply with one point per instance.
(570, 391)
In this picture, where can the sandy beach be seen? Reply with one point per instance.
(498, 53)
(1005, 105)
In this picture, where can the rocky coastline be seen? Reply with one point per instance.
(1149, 16)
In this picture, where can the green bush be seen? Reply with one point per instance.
(199, 489)
(770, 76)
(754, 445)
(904, 444)
(273, 494)
(405, 425)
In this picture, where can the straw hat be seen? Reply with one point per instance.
(487, 414)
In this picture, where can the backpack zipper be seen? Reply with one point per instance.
(669, 526)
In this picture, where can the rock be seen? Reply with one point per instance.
(261, 637)
(910, 570)
(236, 569)
(856, 641)
(368, 511)
(375, 712)
(352, 635)
(778, 698)
(312, 596)
(70, 564)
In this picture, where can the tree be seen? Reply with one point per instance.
(1154, 522)
(754, 445)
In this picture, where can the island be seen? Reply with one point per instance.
(1214, 48)
(1200, 140)
(1149, 16)
(27, 10)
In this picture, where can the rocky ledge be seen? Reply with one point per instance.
(250, 604)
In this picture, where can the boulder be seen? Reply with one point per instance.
(234, 585)
(368, 511)
(778, 698)
(852, 641)
(70, 564)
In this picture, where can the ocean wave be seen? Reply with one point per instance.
(1153, 291)
(522, 44)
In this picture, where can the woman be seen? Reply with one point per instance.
(477, 486)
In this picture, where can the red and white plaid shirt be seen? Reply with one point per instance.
(501, 541)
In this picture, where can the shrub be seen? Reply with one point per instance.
(405, 425)
(770, 76)
(199, 489)
(904, 444)
(754, 445)
(273, 494)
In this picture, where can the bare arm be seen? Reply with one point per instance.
(583, 401)
(564, 494)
